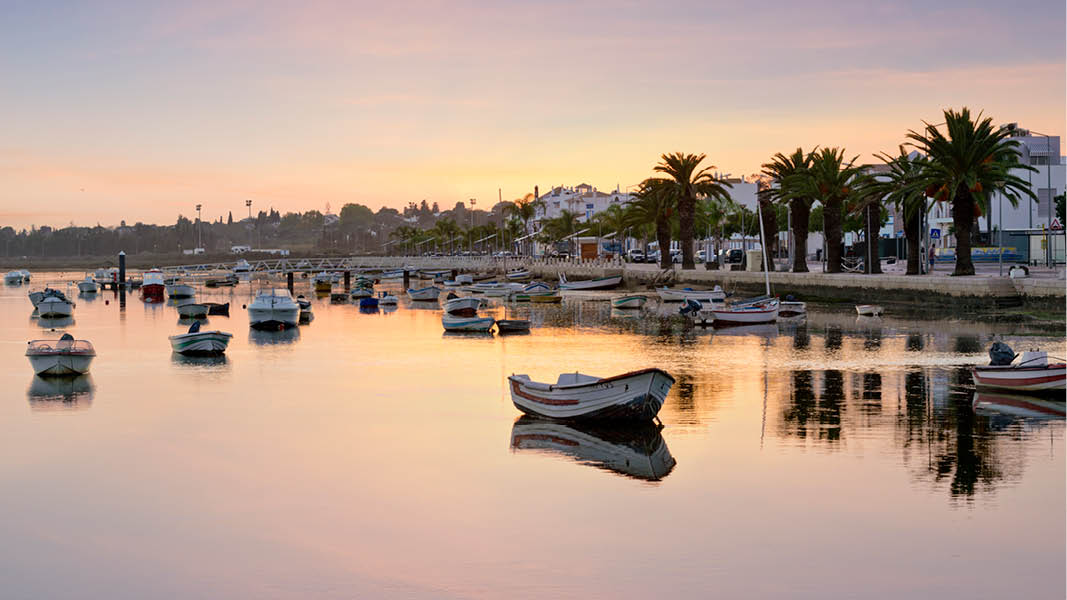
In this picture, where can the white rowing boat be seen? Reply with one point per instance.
(453, 323)
(65, 356)
(715, 295)
(629, 301)
(747, 314)
(1030, 373)
(427, 293)
(599, 283)
(637, 395)
(868, 310)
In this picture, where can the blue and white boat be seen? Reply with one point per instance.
(454, 323)
(427, 293)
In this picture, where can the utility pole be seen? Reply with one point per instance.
(248, 203)
(199, 228)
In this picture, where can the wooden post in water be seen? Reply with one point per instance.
(122, 268)
(407, 279)
(348, 280)
(289, 281)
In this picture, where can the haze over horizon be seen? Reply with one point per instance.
(137, 112)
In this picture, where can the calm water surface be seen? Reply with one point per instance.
(369, 455)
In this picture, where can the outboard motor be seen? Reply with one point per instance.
(690, 307)
(1000, 354)
(195, 327)
(451, 296)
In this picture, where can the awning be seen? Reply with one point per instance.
(485, 238)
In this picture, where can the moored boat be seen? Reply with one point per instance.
(1031, 372)
(13, 277)
(792, 308)
(305, 309)
(200, 343)
(546, 298)
(192, 310)
(273, 309)
(868, 310)
(635, 301)
(512, 325)
(519, 275)
(425, 294)
(53, 306)
(387, 299)
(25, 275)
(65, 356)
(707, 297)
(36, 297)
(637, 395)
(87, 285)
(323, 282)
(152, 288)
(746, 314)
(454, 323)
(214, 308)
(180, 290)
(462, 307)
(599, 283)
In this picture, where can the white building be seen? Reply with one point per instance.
(583, 200)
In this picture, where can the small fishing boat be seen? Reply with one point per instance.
(360, 291)
(546, 298)
(214, 308)
(1032, 372)
(462, 307)
(536, 286)
(792, 308)
(634, 450)
(629, 301)
(342, 298)
(425, 294)
(273, 309)
(747, 314)
(868, 310)
(241, 267)
(65, 356)
(519, 275)
(305, 309)
(637, 395)
(394, 274)
(322, 282)
(153, 287)
(36, 297)
(387, 299)
(200, 343)
(708, 297)
(454, 323)
(368, 303)
(192, 310)
(87, 285)
(55, 306)
(599, 283)
(13, 278)
(25, 275)
(513, 325)
(228, 281)
(497, 292)
(180, 290)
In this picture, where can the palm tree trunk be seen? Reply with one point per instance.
(801, 212)
(963, 218)
(686, 208)
(770, 227)
(911, 233)
(874, 213)
(832, 230)
(663, 236)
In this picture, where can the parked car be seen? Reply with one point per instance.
(733, 256)
(636, 256)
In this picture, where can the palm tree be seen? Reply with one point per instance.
(866, 204)
(900, 189)
(686, 183)
(525, 209)
(655, 205)
(829, 180)
(612, 219)
(963, 167)
(783, 169)
(555, 229)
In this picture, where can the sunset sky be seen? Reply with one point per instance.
(120, 110)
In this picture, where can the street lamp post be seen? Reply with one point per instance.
(199, 229)
(248, 204)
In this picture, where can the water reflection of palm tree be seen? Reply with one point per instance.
(833, 338)
(968, 344)
(831, 404)
(801, 408)
(633, 450)
(915, 342)
(801, 338)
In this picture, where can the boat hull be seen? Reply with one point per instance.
(61, 364)
(203, 343)
(868, 310)
(601, 283)
(153, 291)
(54, 308)
(462, 307)
(512, 325)
(180, 290)
(545, 298)
(1024, 379)
(701, 296)
(636, 396)
(746, 316)
(792, 309)
(430, 293)
(192, 311)
(273, 318)
(87, 287)
(466, 323)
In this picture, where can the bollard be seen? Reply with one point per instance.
(348, 280)
(122, 268)
(289, 281)
(122, 298)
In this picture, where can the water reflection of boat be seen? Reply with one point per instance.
(1019, 405)
(61, 393)
(766, 330)
(55, 323)
(269, 337)
(199, 361)
(635, 450)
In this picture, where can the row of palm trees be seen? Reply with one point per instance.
(964, 165)
(962, 161)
